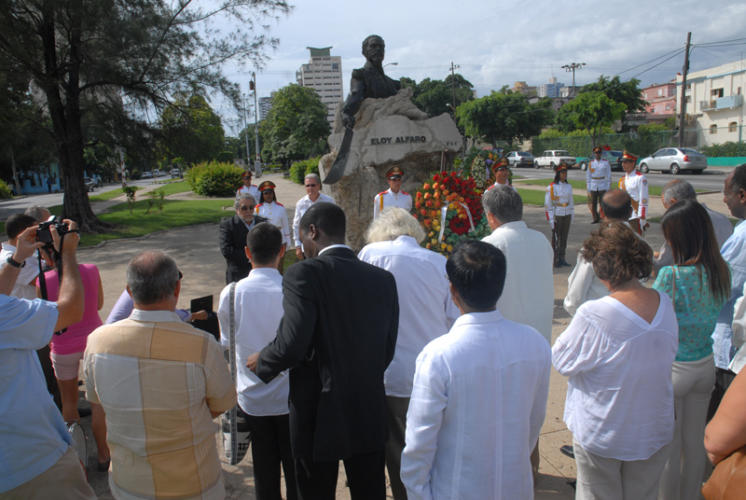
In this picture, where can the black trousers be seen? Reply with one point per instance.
(365, 476)
(396, 411)
(562, 229)
(594, 203)
(270, 447)
(723, 378)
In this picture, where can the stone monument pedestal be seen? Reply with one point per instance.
(388, 132)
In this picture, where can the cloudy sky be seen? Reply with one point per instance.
(496, 43)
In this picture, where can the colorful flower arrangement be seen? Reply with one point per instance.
(450, 208)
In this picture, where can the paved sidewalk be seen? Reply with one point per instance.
(195, 250)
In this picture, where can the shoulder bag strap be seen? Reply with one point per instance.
(232, 355)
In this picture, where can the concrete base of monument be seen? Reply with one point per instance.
(388, 132)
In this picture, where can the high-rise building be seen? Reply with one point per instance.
(551, 89)
(265, 104)
(323, 73)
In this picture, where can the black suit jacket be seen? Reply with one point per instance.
(232, 243)
(337, 337)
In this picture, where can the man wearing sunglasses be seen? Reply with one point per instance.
(312, 182)
(393, 196)
(233, 231)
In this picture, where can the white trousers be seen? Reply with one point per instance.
(601, 478)
(692, 386)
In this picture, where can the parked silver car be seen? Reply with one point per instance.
(674, 160)
(520, 159)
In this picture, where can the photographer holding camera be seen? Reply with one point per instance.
(36, 458)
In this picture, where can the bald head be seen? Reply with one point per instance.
(616, 205)
(153, 280)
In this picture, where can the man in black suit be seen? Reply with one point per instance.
(233, 231)
(337, 337)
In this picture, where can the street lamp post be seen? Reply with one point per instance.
(572, 67)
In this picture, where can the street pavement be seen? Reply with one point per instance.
(195, 250)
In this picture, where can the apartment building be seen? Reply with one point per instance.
(661, 99)
(714, 98)
(323, 73)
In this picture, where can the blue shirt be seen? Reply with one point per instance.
(734, 253)
(32, 432)
(696, 308)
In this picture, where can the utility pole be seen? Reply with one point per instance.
(572, 67)
(246, 131)
(257, 161)
(684, 71)
(454, 67)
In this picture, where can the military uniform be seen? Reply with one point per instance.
(636, 185)
(597, 181)
(275, 213)
(388, 198)
(559, 209)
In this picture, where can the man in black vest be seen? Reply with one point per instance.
(337, 337)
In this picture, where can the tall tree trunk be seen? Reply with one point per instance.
(66, 121)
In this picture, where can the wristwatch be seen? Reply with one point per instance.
(13, 263)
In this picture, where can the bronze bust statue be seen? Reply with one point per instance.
(368, 81)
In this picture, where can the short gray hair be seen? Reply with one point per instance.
(392, 223)
(504, 203)
(151, 277)
(38, 212)
(678, 190)
(314, 176)
(241, 197)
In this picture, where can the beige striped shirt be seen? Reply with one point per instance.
(158, 380)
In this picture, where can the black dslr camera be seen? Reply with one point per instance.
(45, 236)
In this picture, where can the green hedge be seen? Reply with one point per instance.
(4, 190)
(300, 169)
(725, 149)
(646, 141)
(214, 178)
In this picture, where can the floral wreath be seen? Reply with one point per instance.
(450, 209)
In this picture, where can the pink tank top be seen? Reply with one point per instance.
(74, 338)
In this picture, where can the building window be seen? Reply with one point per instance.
(335, 66)
(713, 129)
(732, 126)
(717, 92)
(688, 99)
(660, 92)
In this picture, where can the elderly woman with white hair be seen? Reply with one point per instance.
(426, 311)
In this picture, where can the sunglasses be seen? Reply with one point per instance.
(395, 178)
(244, 208)
(180, 275)
(311, 185)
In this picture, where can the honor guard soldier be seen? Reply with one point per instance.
(597, 181)
(502, 173)
(636, 186)
(273, 210)
(559, 208)
(248, 187)
(393, 196)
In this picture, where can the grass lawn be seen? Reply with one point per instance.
(177, 186)
(176, 213)
(536, 197)
(109, 195)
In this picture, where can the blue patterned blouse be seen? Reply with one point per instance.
(696, 308)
